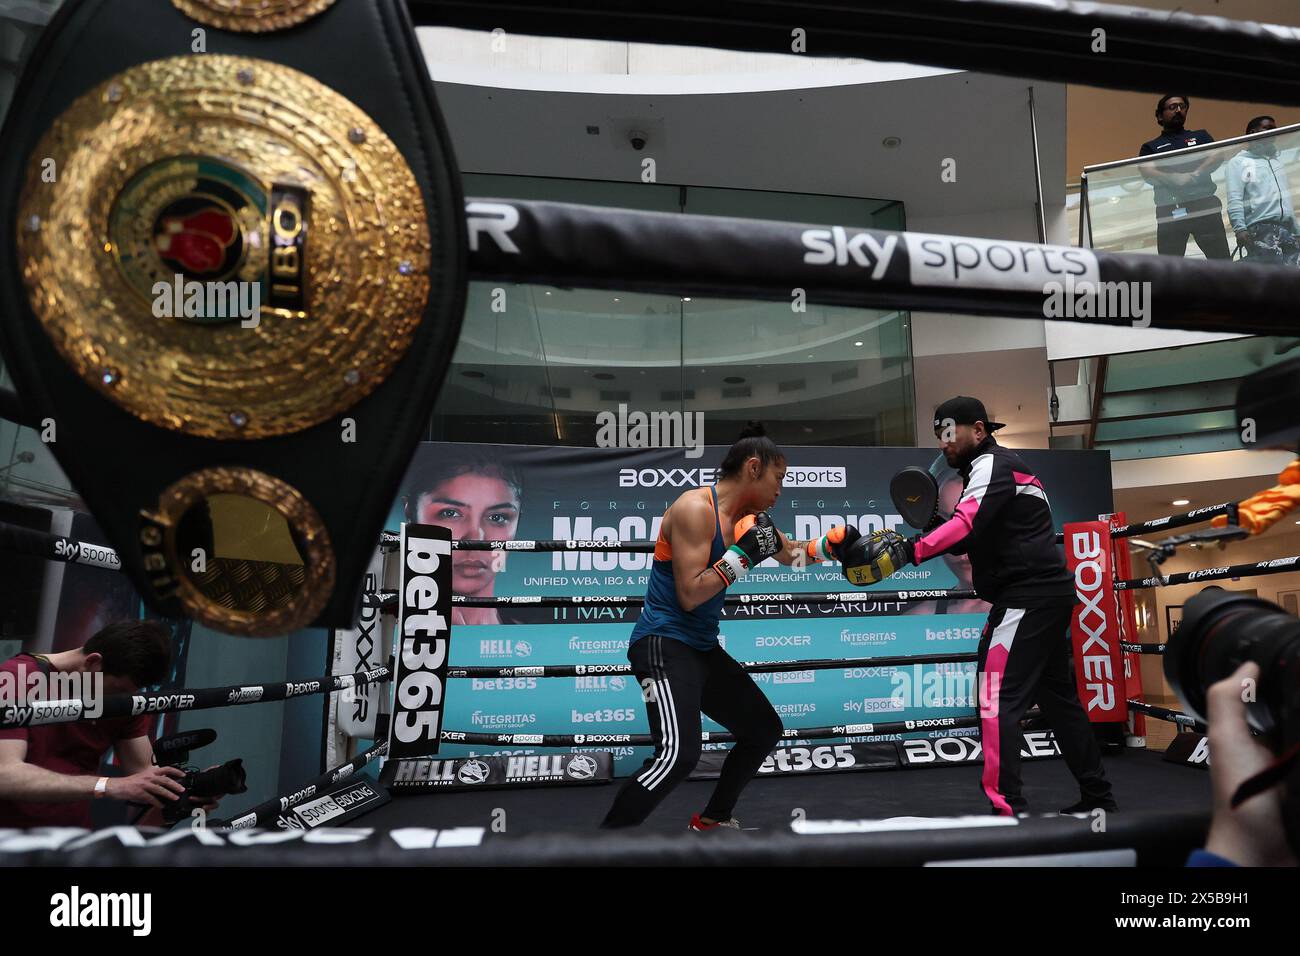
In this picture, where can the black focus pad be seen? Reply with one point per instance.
(916, 496)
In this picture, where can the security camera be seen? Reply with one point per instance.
(637, 139)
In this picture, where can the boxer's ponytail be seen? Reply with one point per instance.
(751, 443)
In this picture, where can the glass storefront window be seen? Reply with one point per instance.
(536, 365)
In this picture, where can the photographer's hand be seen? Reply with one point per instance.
(151, 786)
(1252, 834)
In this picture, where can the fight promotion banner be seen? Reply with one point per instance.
(506, 494)
(492, 773)
(1098, 658)
(819, 758)
(423, 639)
(966, 749)
(1126, 610)
(358, 649)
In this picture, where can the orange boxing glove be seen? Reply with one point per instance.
(1263, 509)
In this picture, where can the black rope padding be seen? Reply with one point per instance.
(1164, 713)
(1195, 516)
(753, 667)
(387, 600)
(1141, 648)
(634, 740)
(1160, 838)
(1275, 566)
(596, 247)
(54, 547)
(265, 813)
(1045, 40)
(198, 698)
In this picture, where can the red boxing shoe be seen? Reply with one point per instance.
(698, 824)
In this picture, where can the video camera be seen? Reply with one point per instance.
(200, 785)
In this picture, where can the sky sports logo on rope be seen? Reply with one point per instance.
(946, 261)
(32, 697)
(796, 476)
(94, 555)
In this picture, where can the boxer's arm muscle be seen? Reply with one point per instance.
(691, 536)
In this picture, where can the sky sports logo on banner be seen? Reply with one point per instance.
(796, 476)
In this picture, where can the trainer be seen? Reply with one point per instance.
(708, 540)
(1003, 522)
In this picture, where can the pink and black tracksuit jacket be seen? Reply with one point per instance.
(1003, 522)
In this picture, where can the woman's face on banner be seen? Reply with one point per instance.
(475, 507)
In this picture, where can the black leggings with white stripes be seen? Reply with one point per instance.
(679, 682)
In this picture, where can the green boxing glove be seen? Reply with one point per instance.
(834, 544)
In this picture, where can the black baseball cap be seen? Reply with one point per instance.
(964, 410)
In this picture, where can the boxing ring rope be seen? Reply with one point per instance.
(40, 712)
(1165, 713)
(753, 667)
(387, 600)
(868, 730)
(1227, 509)
(1142, 648)
(267, 811)
(53, 547)
(596, 247)
(1046, 40)
(1275, 566)
(388, 540)
(1158, 839)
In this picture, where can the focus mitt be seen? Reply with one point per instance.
(916, 496)
(875, 557)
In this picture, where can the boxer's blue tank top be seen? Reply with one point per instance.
(662, 614)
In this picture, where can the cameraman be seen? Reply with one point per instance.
(49, 773)
(1253, 833)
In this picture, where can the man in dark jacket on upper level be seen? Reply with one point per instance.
(1186, 201)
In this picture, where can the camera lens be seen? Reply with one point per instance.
(1219, 632)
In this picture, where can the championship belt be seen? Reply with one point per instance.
(232, 273)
